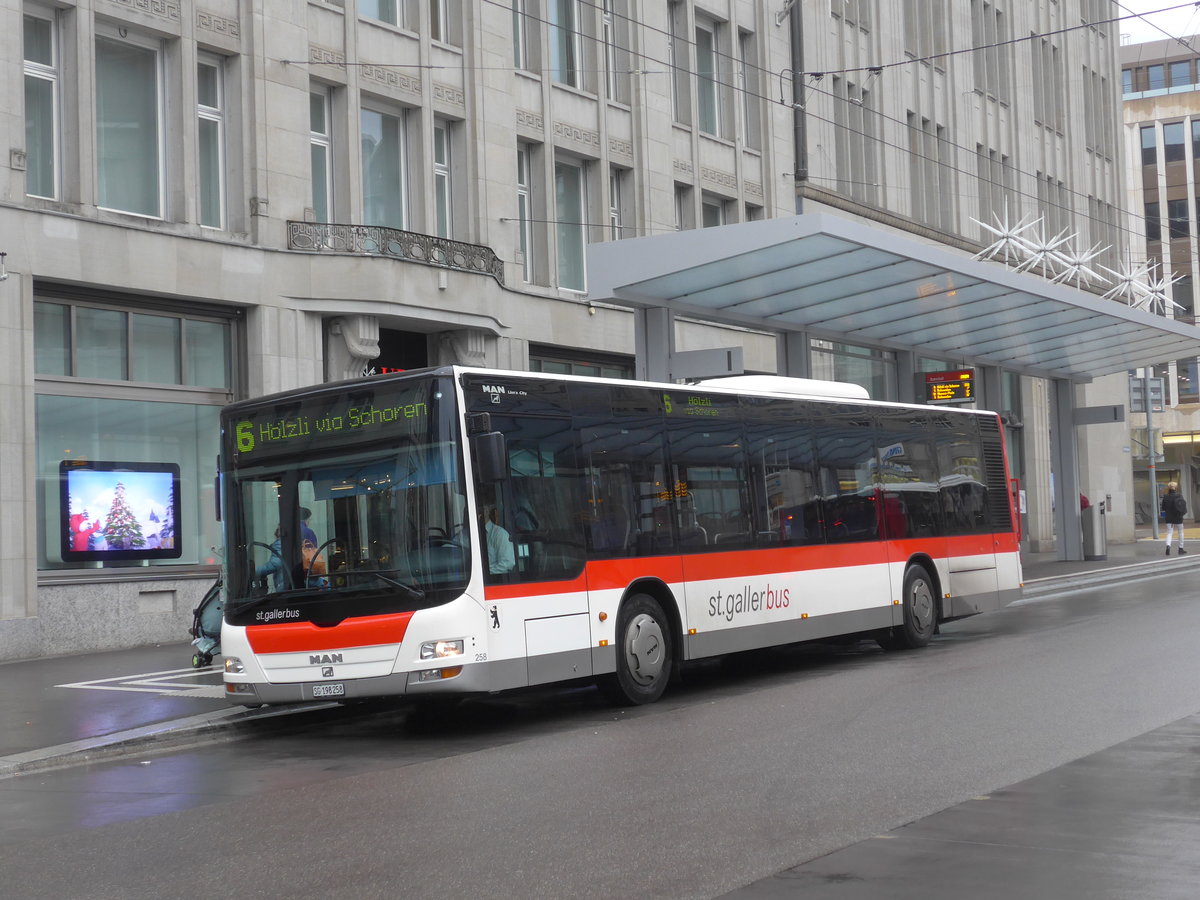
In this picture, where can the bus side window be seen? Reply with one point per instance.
(846, 455)
(784, 474)
(628, 497)
(537, 504)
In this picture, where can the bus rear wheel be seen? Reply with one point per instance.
(920, 613)
(644, 654)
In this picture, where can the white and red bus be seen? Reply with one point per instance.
(457, 530)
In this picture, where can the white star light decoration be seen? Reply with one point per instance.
(1018, 244)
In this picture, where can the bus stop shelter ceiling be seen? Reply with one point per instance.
(846, 281)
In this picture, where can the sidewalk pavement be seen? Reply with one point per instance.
(64, 710)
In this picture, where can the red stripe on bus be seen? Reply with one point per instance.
(608, 574)
(296, 637)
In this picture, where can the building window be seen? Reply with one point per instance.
(520, 35)
(41, 107)
(320, 143)
(708, 77)
(441, 179)
(389, 11)
(712, 211)
(1173, 142)
(685, 214)
(677, 60)
(1149, 146)
(751, 90)
(615, 34)
(210, 113)
(525, 209)
(871, 368)
(565, 49)
(384, 169)
(854, 140)
(560, 361)
(1127, 80)
(570, 193)
(1178, 218)
(129, 169)
(932, 179)
(989, 31)
(1153, 223)
(1156, 77)
(616, 217)
(439, 23)
(129, 385)
(1180, 73)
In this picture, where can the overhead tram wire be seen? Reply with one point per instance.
(873, 70)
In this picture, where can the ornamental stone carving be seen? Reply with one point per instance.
(353, 343)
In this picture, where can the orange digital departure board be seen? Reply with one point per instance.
(956, 386)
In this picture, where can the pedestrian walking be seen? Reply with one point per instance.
(1174, 508)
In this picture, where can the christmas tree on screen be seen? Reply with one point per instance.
(121, 529)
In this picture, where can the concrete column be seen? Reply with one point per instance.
(654, 340)
(791, 348)
(906, 378)
(1038, 530)
(1064, 457)
(990, 389)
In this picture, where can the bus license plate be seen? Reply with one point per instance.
(329, 690)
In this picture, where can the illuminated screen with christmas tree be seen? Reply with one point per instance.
(113, 511)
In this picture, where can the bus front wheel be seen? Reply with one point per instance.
(644, 653)
(919, 607)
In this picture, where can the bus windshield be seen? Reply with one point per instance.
(365, 513)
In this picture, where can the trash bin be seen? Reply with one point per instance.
(1095, 532)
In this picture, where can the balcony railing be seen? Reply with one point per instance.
(410, 246)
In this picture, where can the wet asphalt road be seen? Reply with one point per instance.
(745, 770)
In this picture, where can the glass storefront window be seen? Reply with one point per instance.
(101, 347)
(128, 431)
(207, 354)
(130, 386)
(51, 339)
(155, 349)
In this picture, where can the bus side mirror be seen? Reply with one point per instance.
(490, 451)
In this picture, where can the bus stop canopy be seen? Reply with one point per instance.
(847, 281)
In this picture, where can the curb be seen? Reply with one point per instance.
(1054, 585)
(223, 724)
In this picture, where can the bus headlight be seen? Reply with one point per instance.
(441, 649)
(234, 666)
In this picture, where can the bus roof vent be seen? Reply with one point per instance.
(798, 387)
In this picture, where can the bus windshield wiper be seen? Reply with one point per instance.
(413, 592)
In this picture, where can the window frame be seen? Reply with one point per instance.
(400, 117)
(566, 44)
(324, 142)
(710, 118)
(571, 236)
(217, 115)
(51, 73)
(156, 46)
(443, 189)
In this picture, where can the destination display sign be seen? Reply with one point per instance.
(955, 386)
(392, 411)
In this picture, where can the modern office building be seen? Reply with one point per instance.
(205, 201)
(1161, 88)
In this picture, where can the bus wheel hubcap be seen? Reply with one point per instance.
(921, 603)
(645, 649)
